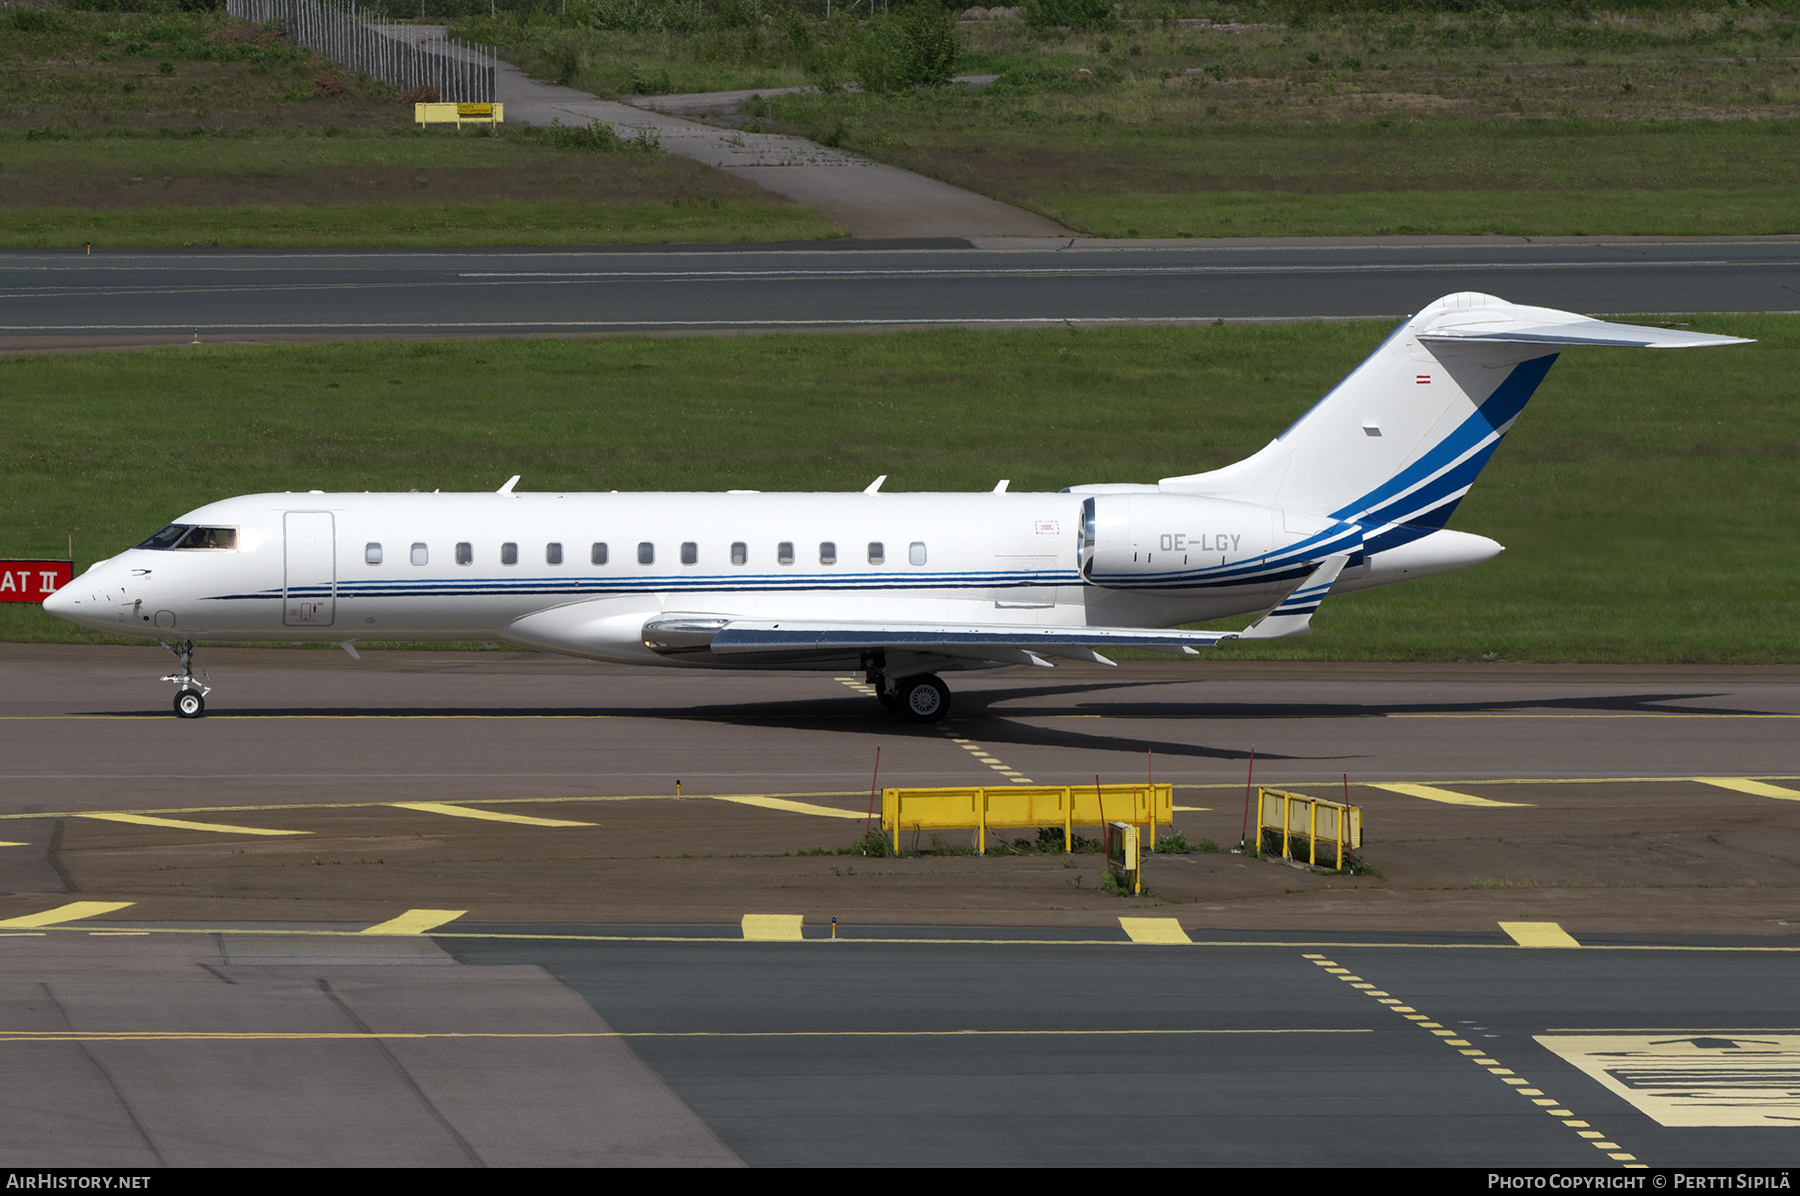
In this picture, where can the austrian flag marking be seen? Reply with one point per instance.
(1422, 379)
(33, 581)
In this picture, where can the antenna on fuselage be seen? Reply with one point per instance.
(875, 485)
(510, 483)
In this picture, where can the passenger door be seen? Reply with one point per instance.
(309, 592)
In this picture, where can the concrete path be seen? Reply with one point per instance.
(868, 198)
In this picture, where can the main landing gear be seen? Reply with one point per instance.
(921, 698)
(190, 694)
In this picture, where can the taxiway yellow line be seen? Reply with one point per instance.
(372, 802)
(7, 1036)
(1539, 934)
(183, 825)
(502, 936)
(1446, 796)
(71, 912)
(792, 807)
(1154, 930)
(1754, 788)
(773, 928)
(415, 921)
(438, 807)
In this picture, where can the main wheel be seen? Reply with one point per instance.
(190, 703)
(924, 699)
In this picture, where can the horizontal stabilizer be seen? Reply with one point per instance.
(1578, 331)
(760, 636)
(1292, 616)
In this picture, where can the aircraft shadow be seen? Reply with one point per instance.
(984, 714)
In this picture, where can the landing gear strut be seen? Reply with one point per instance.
(190, 695)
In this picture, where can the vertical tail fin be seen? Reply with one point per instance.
(1402, 438)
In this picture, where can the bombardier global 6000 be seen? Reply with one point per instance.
(901, 587)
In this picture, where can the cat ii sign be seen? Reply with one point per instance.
(33, 581)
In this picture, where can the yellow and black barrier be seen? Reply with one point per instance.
(1013, 806)
(1286, 821)
(459, 114)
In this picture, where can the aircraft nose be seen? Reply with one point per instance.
(62, 603)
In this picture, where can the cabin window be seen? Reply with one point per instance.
(915, 552)
(372, 553)
(828, 553)
(740, 552)
(646, 553)
(784, 552)
(420, 554)
(690, 552)
(465, 553)
(553, 554)
(598, 555)
(876, 553)
(509, 553)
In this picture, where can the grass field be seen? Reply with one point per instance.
(1285, 118)
(1648, 500)
(230, 145)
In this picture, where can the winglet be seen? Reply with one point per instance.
(875, 485)
(510, 483)
(1292, 616)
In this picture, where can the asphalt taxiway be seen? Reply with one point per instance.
(153, 297)
(446, 908)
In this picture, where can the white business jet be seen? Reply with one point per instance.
(901, 587)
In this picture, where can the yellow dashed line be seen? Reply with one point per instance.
(1154, 930)
(986, 757)
(71, 912)
(181, 824)
(1447, 796)
(772, 928)
(1539, 934)
(438, 807)
(1481, 1058)
(794, 807)
(416, 921)
(1754, 788)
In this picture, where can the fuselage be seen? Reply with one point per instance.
(581, 573)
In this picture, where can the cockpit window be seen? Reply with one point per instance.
(167, 537)
(182, 535)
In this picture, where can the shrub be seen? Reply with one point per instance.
(915, 47)
(1173, 843)
(1075, 14)
(873, 844)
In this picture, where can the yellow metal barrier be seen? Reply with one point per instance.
(1282, 818)
(1069, 806)
(459, 114)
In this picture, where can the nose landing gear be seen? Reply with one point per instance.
(190, 695)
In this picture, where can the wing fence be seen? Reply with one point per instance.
(401, 56)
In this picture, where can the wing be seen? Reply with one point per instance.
(1004, 643)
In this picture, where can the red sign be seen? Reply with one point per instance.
(33, 581)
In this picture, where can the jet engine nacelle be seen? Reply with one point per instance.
(1129, 538)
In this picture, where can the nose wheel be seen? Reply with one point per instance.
(190, 694)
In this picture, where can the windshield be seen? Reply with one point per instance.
(182, 535)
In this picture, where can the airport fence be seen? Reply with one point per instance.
(398, 55)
